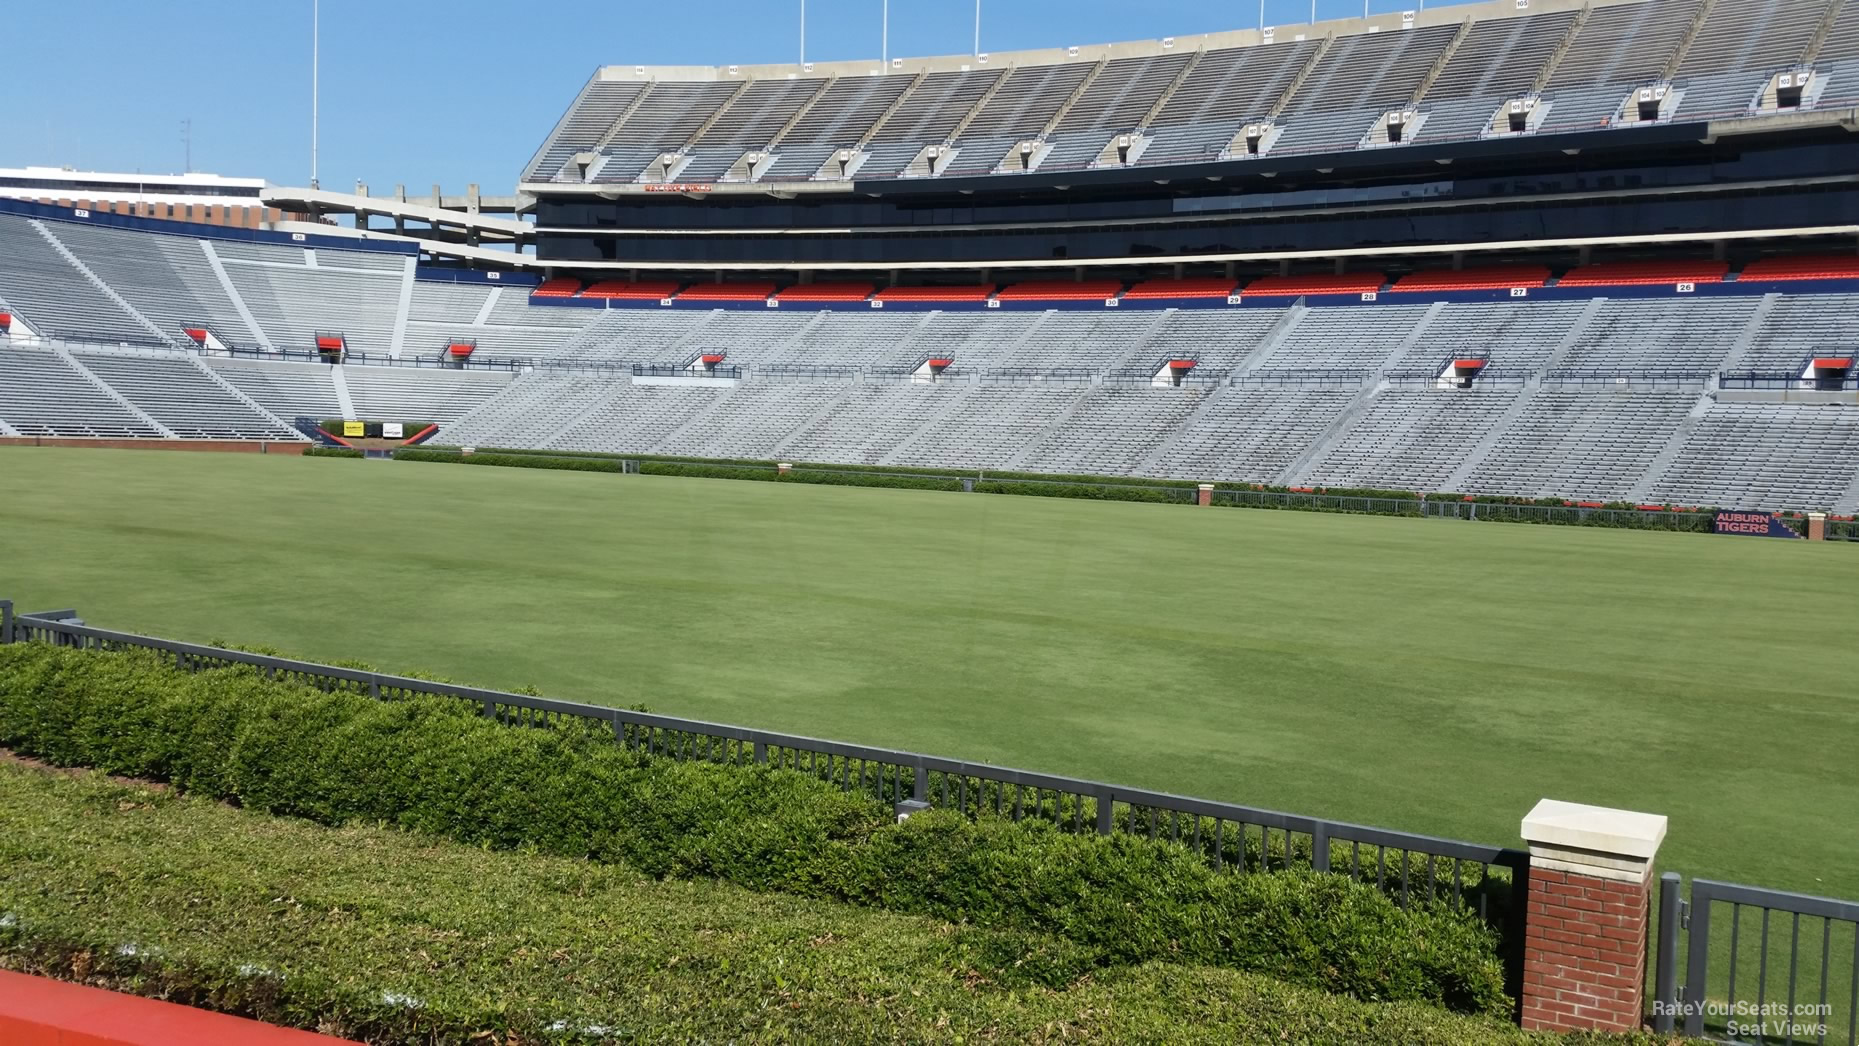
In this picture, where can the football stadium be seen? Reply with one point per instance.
(1321, 533)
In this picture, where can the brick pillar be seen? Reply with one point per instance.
(1588, 918)
(1205, 495)
(1817, 526)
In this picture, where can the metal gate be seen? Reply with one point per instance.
(1760, 965)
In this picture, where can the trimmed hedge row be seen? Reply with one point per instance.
(333, 452)
(436, 767)
(1093, 491)
(768, 473)
(980, 475)
(1363, 501)
(521, 461)
(391, 938)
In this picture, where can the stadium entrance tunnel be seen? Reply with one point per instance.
(931, 369)
(1828, 373)
(1460, 373)
(1171, 373)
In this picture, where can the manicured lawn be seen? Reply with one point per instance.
(1426, 675)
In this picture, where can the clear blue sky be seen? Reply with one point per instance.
(419, 91)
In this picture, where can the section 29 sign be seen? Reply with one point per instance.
(1752, 524)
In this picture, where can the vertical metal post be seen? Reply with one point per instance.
(1698, 964)
(1665, 961)
(884, 37)
(920, 789)
(316, 46)
(803, 32)
(1106, 810)
(1515, 927)
(761, 753)
(1319, 847)
(977, 28)
(6, 621)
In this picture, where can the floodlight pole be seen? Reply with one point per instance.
(803, 32)
(977, 28)
(884, 37)
(316, 43)
(1261, 16)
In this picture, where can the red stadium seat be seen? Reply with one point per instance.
(1497, 277)
(1802, 267)
(754, 291)
(1296, 286)
(976, 292)
(1644, 273)
(559, 287)
(844, 291)
(1062, 290)
(1202, 287)
(628, 290)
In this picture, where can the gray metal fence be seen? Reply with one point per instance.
(1412, 869)
(1317, 501)
(1759, 965)
(1572, 515)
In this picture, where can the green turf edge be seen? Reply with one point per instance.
(377, 934)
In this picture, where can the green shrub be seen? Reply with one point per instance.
(332, 452)
(524, 461)
(1093, 491)
(433, 766)
(513, 947)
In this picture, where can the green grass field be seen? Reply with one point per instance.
(1426, 675)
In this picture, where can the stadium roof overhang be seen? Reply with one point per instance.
(449, 219)
(1519, 150)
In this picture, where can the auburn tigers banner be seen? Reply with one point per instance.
(1752, 524)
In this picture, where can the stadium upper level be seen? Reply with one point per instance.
(1508, 69)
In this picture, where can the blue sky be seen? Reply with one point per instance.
(419, 92)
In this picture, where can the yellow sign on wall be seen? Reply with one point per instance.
(354, 428)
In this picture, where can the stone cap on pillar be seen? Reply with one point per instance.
(1593, 840)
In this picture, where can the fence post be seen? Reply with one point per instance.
(1319, 847)
(920, 790)
(1665, 965)
(1590, 900)
(1697, 966)
(6, 621)
(1106, 811)
(761, 753)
